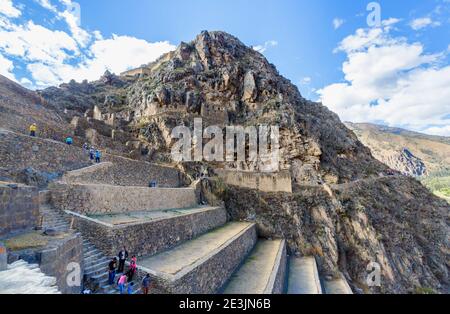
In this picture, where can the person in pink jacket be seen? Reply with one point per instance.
(122, 281)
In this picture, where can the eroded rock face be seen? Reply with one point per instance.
(393, 221)
(351, 225)
(225, 82)
(249, 87)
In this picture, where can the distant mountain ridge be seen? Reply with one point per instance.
(406, 151)
(426, 157)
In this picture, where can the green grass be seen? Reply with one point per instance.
(424, 290)
(439, 184)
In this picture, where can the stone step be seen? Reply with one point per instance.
(96, 267)
(263, 272)
(303, 276)
(101, 260)
(100, 277)
(93, 256)
(337, 286)
(88, 248)
(95, 271)
(204, 264)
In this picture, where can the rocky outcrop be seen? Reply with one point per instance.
(341, 211)
(406, 163)
(348, 226)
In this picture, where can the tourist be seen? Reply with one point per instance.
(86, 147)
(112, 270)
(98, 156)
(69, 140)
(91, 153)
(132, 270)
(33, 129)
(123, 255)
(130, 288)
(146, 284)
(122, 281)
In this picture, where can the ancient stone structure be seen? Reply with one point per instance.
(334, 231)
(145, 237)
(3, 257)
(137, 71)
(60, 260)
(127, 172)
(35, 160)
(100, 199)
(266, 182)
(19, 208)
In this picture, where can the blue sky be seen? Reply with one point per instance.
(396, 73)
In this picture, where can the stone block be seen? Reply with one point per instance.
(3, 257)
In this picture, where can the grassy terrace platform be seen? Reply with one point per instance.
(145, 216)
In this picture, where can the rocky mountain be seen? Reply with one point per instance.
(423, 156)
(409, 152)
(345, 209)
(218, 78)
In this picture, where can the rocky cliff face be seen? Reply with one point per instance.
(218, 78)
(342, 211)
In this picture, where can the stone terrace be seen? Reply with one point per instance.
(100, 199)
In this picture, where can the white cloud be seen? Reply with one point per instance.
(7, 8)
(337, 22)
(55, 56)
(440, 131)
(265, 46)
(47, 5)
(72, 16)
(116, 54)
(6, 68)
(33, 42)
(423, 22)
(388, 79)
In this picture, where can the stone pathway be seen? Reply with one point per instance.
(188, 253)
(303, 276)
(254, 276)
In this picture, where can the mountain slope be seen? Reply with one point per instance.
(424, 156)
(345, 211)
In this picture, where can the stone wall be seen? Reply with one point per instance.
(135, 72)
(55, 258)
(19, 208)
(265, 182)
(45, 159)
(100, 199)
(55, 261)
(212, 273)
(277, 280)
(128, 172)
(150, 237)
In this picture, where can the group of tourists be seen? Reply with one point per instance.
(116, 267)
(94, 154)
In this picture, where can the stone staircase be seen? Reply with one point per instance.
(95, 262)
(95, 272)
(191, 249)
(221, 257)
